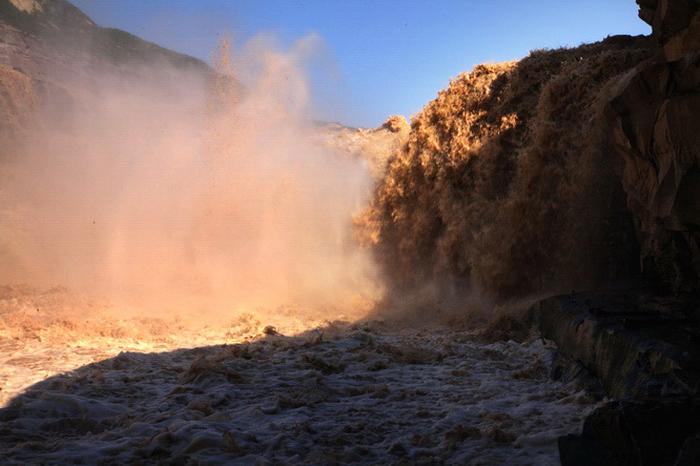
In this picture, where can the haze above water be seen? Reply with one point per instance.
(172, 194)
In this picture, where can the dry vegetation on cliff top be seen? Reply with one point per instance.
(506, 186)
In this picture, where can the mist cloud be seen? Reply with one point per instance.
(157, 190)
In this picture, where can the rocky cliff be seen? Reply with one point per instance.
(51, 53)
(654, 124)
(642, 345)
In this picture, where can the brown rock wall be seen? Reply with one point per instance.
(675, 25)
(654, 129)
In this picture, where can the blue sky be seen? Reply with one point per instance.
(382, 57)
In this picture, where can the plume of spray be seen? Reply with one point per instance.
(170, 192)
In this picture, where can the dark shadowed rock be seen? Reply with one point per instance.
(577, 450)
(644, 347)
(643, 433)
(675, 25)
(653, 125)
(690, 451)
(645, 350)
(638, 345)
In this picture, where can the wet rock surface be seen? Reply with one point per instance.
(639, 345)
(644, 349)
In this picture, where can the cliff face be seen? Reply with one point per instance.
(51, 54)
(85, 112)
(654, 130)
(51, 26)
(506, 185)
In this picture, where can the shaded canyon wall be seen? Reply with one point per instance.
(654, 125)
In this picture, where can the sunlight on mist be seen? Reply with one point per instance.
(170, 192)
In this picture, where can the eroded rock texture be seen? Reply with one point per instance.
(654, 129)
(644, 349)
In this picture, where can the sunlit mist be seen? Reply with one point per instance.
(177, 192)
